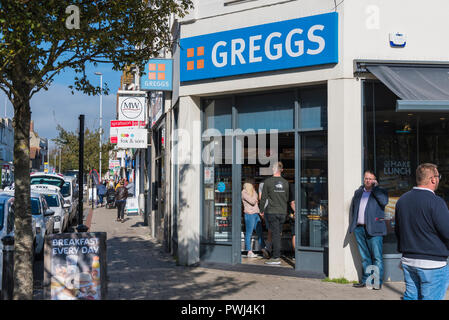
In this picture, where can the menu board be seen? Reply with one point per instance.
(76, 266)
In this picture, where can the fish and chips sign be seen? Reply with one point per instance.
(76, 266)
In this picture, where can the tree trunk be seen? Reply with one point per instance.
(23, 246)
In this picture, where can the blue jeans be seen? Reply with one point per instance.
(425, 284)
(370, 249)
(252, 222)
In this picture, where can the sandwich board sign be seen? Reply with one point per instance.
(75, 265)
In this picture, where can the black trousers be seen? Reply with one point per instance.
(120, 209)
(276, 221)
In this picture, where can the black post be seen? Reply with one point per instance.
(81, 227)
(8, 268)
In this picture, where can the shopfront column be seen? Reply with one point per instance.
(189, 157)
(345, 172)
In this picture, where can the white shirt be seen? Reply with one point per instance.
(362, 206)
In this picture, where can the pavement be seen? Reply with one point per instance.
(139, 269)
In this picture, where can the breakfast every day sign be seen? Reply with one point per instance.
(77, 266)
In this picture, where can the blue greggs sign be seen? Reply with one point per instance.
(158, 75)
(274, 46)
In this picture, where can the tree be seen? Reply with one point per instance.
(69, 145)
(39, 39)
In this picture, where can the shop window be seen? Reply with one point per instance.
(395, 143)
(266, 111)
(313, 114)
(218, 114)
(314, 196)
(217, 178)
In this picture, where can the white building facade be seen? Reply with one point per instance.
(326, 76)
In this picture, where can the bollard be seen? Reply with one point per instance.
(8, 268)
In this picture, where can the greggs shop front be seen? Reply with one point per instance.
(281, 90)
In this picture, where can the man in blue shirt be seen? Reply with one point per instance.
(422, 231)
(368, 225)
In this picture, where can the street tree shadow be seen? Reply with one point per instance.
(141, 269)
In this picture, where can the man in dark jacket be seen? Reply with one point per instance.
(276, 191)
(101, 191)
(121, 193)
(422, 231)
(368, 225)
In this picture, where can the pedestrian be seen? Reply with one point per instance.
(101, 191)
(292, 213)
(130, 187)
(252, 220)
(276, 190)
(121, 193)
(368, 225)
(422, 232)
(266, 251)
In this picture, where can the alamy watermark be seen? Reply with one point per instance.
(226, 147)
(73, 20)
(373, 280)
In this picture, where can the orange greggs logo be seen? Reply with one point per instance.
(191, 55)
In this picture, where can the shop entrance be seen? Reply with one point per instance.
(254, 171)
(298, 117)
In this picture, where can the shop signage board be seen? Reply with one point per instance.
(115, 124)
(280, 45)
(75, 265)
(114, 164)
(131, 107)
(156, 106)
(132, 205)
(158, 75)
(132, 138)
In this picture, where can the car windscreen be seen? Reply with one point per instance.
(65, 189)
(52, 200)
(35, 206)
(54, 181)
(2, 214)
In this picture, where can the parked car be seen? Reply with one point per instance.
(55, 202)
(6, 224)
(70, 191)
(56, 179)
(42, 220)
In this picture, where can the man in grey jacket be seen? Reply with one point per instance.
(276, 190)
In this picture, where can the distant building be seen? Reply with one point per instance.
(6, 140)
(38, 150)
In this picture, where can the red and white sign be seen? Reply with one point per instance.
(122, 123)
(116, 124)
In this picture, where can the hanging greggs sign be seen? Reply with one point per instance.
(274, 46)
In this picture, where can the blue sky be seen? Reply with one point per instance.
(59, 106)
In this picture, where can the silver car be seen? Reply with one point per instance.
(55, 202)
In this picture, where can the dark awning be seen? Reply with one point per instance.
(420, 88)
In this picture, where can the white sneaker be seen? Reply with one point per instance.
(252, 255)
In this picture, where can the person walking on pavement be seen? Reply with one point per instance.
(368, 225)
(276, 190)
(121, 193)
(252, 220)
(101, 191)
(422, 232)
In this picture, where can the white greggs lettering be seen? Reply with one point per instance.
(273, 51)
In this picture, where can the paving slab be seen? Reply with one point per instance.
(140, 269)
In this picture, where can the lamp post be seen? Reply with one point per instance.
(101, 113)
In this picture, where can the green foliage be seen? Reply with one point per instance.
(36, 45)
(339, 280)
(68, 142)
